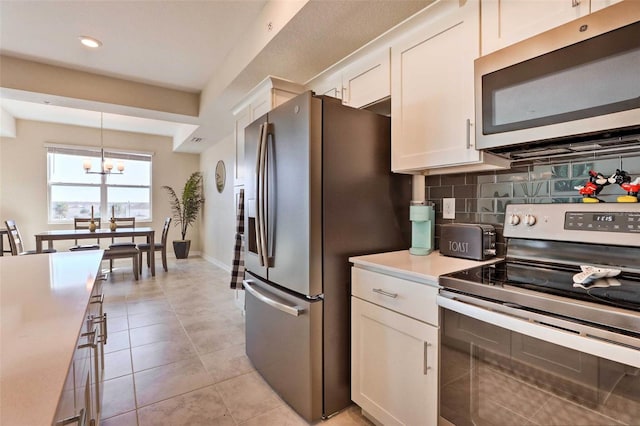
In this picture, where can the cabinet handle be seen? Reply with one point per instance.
(426, 358)
(468, 133)
(78, 419)
(385, 293)
(103, 277)
(102, 322)
(91, 343)
(575, 3)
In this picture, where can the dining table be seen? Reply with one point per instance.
(85, 234)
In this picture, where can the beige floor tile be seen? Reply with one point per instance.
(248, 396)
(117, 364)
(191, 304)
(169, 380)
(163, 332)
(161, 353)
(117, 324)
(202, 407)
(142, 320)
(126, 419)
(281, 416)
(148, 306)
(118, 396)
(116, 341)
(350, 416)
(227, 363)
(208, 341)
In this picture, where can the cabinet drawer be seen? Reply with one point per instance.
(406, 297)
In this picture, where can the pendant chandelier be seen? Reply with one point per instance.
(106, 166)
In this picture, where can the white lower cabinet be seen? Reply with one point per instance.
(394, 358)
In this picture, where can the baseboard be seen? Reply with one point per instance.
(217, 263)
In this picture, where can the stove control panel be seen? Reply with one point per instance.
(603, 221)
(600, 223)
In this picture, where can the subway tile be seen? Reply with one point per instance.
(465, 191)
(496, 190)
(486, 205)
(456, 179)
(492, 218)
(605, 166)
(486, 178)
(566, 186)
(440, 192)
(547, 171)
(461, 205)
(530, 189)
(472, 205)
(631, 165)
(501, 205)
(432, 180)
(515, 174)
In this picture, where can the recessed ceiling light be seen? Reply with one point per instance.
(94, 43)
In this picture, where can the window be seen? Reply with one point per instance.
(72, 192)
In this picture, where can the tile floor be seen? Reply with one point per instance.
(176, 356)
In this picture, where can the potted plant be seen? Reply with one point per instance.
(185, 211)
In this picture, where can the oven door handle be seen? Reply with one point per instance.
(581, 338)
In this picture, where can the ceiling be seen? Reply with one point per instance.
(217, 48)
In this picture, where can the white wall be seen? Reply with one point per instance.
(218, 222)
(23, 174)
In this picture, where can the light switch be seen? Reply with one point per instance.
(449, 208)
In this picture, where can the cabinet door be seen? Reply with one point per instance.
(329, 85)
(432, 90)
(505, 22)
(601, 4)
(394, 366)
(367, 80)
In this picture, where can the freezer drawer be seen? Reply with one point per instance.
(284, 343)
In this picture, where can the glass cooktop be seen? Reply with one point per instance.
(622, 291)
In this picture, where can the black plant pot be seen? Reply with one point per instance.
(181, 248)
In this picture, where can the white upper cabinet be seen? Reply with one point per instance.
(358, 80)
(329, 84)
(267, 95)
(367, 80)
(505, 22)
(432, 104)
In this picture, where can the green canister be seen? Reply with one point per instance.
(422, 218)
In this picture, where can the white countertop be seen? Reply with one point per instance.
(424, 269)
(43, 300)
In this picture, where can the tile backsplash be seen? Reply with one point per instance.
(482, 197)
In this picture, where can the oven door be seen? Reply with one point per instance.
(500, 365)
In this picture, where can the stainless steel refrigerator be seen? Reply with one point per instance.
(319, 189)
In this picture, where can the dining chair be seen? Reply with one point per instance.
(83, 223)
(123, 252)
(146, 247)
(122, 222)
(15, 240)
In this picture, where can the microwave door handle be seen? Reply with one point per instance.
(258, 222)
(262, 202)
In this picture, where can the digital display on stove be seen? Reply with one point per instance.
(604, 218)
(627, 222)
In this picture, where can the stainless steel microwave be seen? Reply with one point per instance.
(574, 81)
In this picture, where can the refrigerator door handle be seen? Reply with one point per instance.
(259, 195)
(262, 203)
(288, 309)
(266, 248)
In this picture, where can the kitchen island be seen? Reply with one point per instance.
(43, 304)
